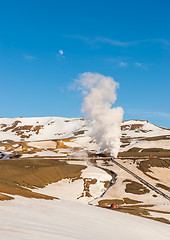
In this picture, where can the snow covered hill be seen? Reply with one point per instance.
(30, 219)
(52, 163)
(44, 128)
(54, 136)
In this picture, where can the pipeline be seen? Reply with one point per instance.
(141, 180)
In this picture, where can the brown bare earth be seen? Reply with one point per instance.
(5, 197)
(154, 162)
(60, 144)
(135, 187)
(163, 186)
(24, 131)
(108, 202)
(164, 137)
(141, 210)
(132, 127)
(146, 153)
(11, 127)
(18, 175)
(87, 183)
(145, 166)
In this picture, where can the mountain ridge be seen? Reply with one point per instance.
(71, 136)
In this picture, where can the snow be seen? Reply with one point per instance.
(43, 154)
(79, 132)
(43, 144)
(53, 127)
(35, 219)
(59, 128)
(64, 189)
(162, 173)
(2, 148)
(74, 189)
(94, 172)
(165, 144)
(77, 162)
(149, 130)
(117, 191)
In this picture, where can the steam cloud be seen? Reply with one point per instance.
(100, 94)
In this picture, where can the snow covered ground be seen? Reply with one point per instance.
(139, 128)
(40, 128)
(75, 189)
(63, 137)
(35, 219)
(54, 136)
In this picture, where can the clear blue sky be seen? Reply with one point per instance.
(127, 39)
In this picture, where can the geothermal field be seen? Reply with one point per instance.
(85, 178)
(56, 183)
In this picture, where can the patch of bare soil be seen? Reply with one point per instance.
(22, 131)
(135, 187)
(145, 166)
(131, 201)
(5, 197)
(141, 212)
(18, 175)
(125, 140)
(19, 148)
(146, 153)
(60, 144)
(86, 190)
(163, 220)
(135, 211)
(79, 132)
(106, 184)
(108, 202)
(132, 127)
(163, 186)
(164, 137)
(11, 127)
(134, 149)
(153, 150)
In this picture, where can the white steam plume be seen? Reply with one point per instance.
(100, 94)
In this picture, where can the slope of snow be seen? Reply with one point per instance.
(49, 128)
(63, 189)
(143, 129)
(164, 144)
(74, 190)
(31, 219)
(39, 133)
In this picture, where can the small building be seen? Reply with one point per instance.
(113, 205)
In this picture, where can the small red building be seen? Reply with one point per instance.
(113, 205)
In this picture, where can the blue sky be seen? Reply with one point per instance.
(128, 40)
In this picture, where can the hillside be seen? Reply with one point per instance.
(67, 137)
(27, 219)
(51, 157)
